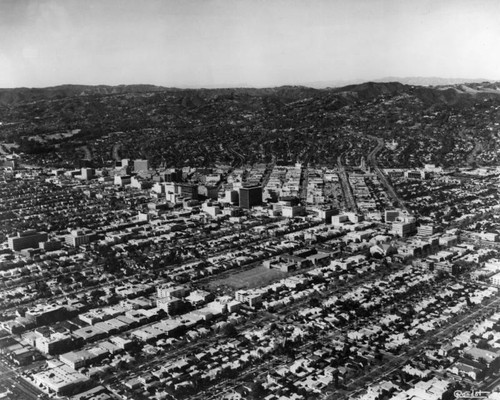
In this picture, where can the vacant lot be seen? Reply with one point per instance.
(255, 277)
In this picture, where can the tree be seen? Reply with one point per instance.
(482, 360)
(96, 294)
(229, 330)
(314, 302)
(257, 391)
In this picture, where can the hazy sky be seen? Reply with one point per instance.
(244, 42)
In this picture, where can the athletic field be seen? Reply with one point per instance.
(255, 277)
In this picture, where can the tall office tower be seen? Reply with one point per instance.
(250, 196)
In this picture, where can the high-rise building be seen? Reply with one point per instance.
(404, 228)
(187, 190)
(88, 173)
(173, 175)
(26, 240)
(250, 196)
(211, 192)
(326, 214)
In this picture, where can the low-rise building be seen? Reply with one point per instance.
(61, 379)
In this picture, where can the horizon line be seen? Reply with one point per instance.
(311, 85)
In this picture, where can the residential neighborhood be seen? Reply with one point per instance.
(259, 281)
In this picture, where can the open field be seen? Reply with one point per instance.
(255, 277)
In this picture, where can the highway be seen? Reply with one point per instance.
(238, 157)
(372, 159)
(303, 184)
(346, 187)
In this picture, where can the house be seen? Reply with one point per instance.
(469, 368)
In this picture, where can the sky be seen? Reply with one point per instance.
(259, 43)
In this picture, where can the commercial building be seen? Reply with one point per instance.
(391, 215)
(122, 180)
(488, 236)
(326, 214)
(292, 211)
(231, 197)
(250, 197)
(187, 190)
(448, 241)
(61, 379)
(426, 230)
(495, 279)
(78, 237)
(184, 190)
(355, 218)
(82, 358)
(339, 219)
(212, 209)
(418, 174)
(404, 228)
(88, 173)
(8, 163)
(173, 175)
(89, 333)
(54, 343)
(199, 297)
(171, 292)
(51, 245)
(252, 298)
(169, 304)
(26, 239)
(44, 314)
(210, 192)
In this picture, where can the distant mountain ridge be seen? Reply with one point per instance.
(433, 81)
(179, 126)
(414, 81)
(23, 95)
(446, 92)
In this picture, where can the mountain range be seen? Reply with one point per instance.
(437, 124)
(413, 81)
(27, 95)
